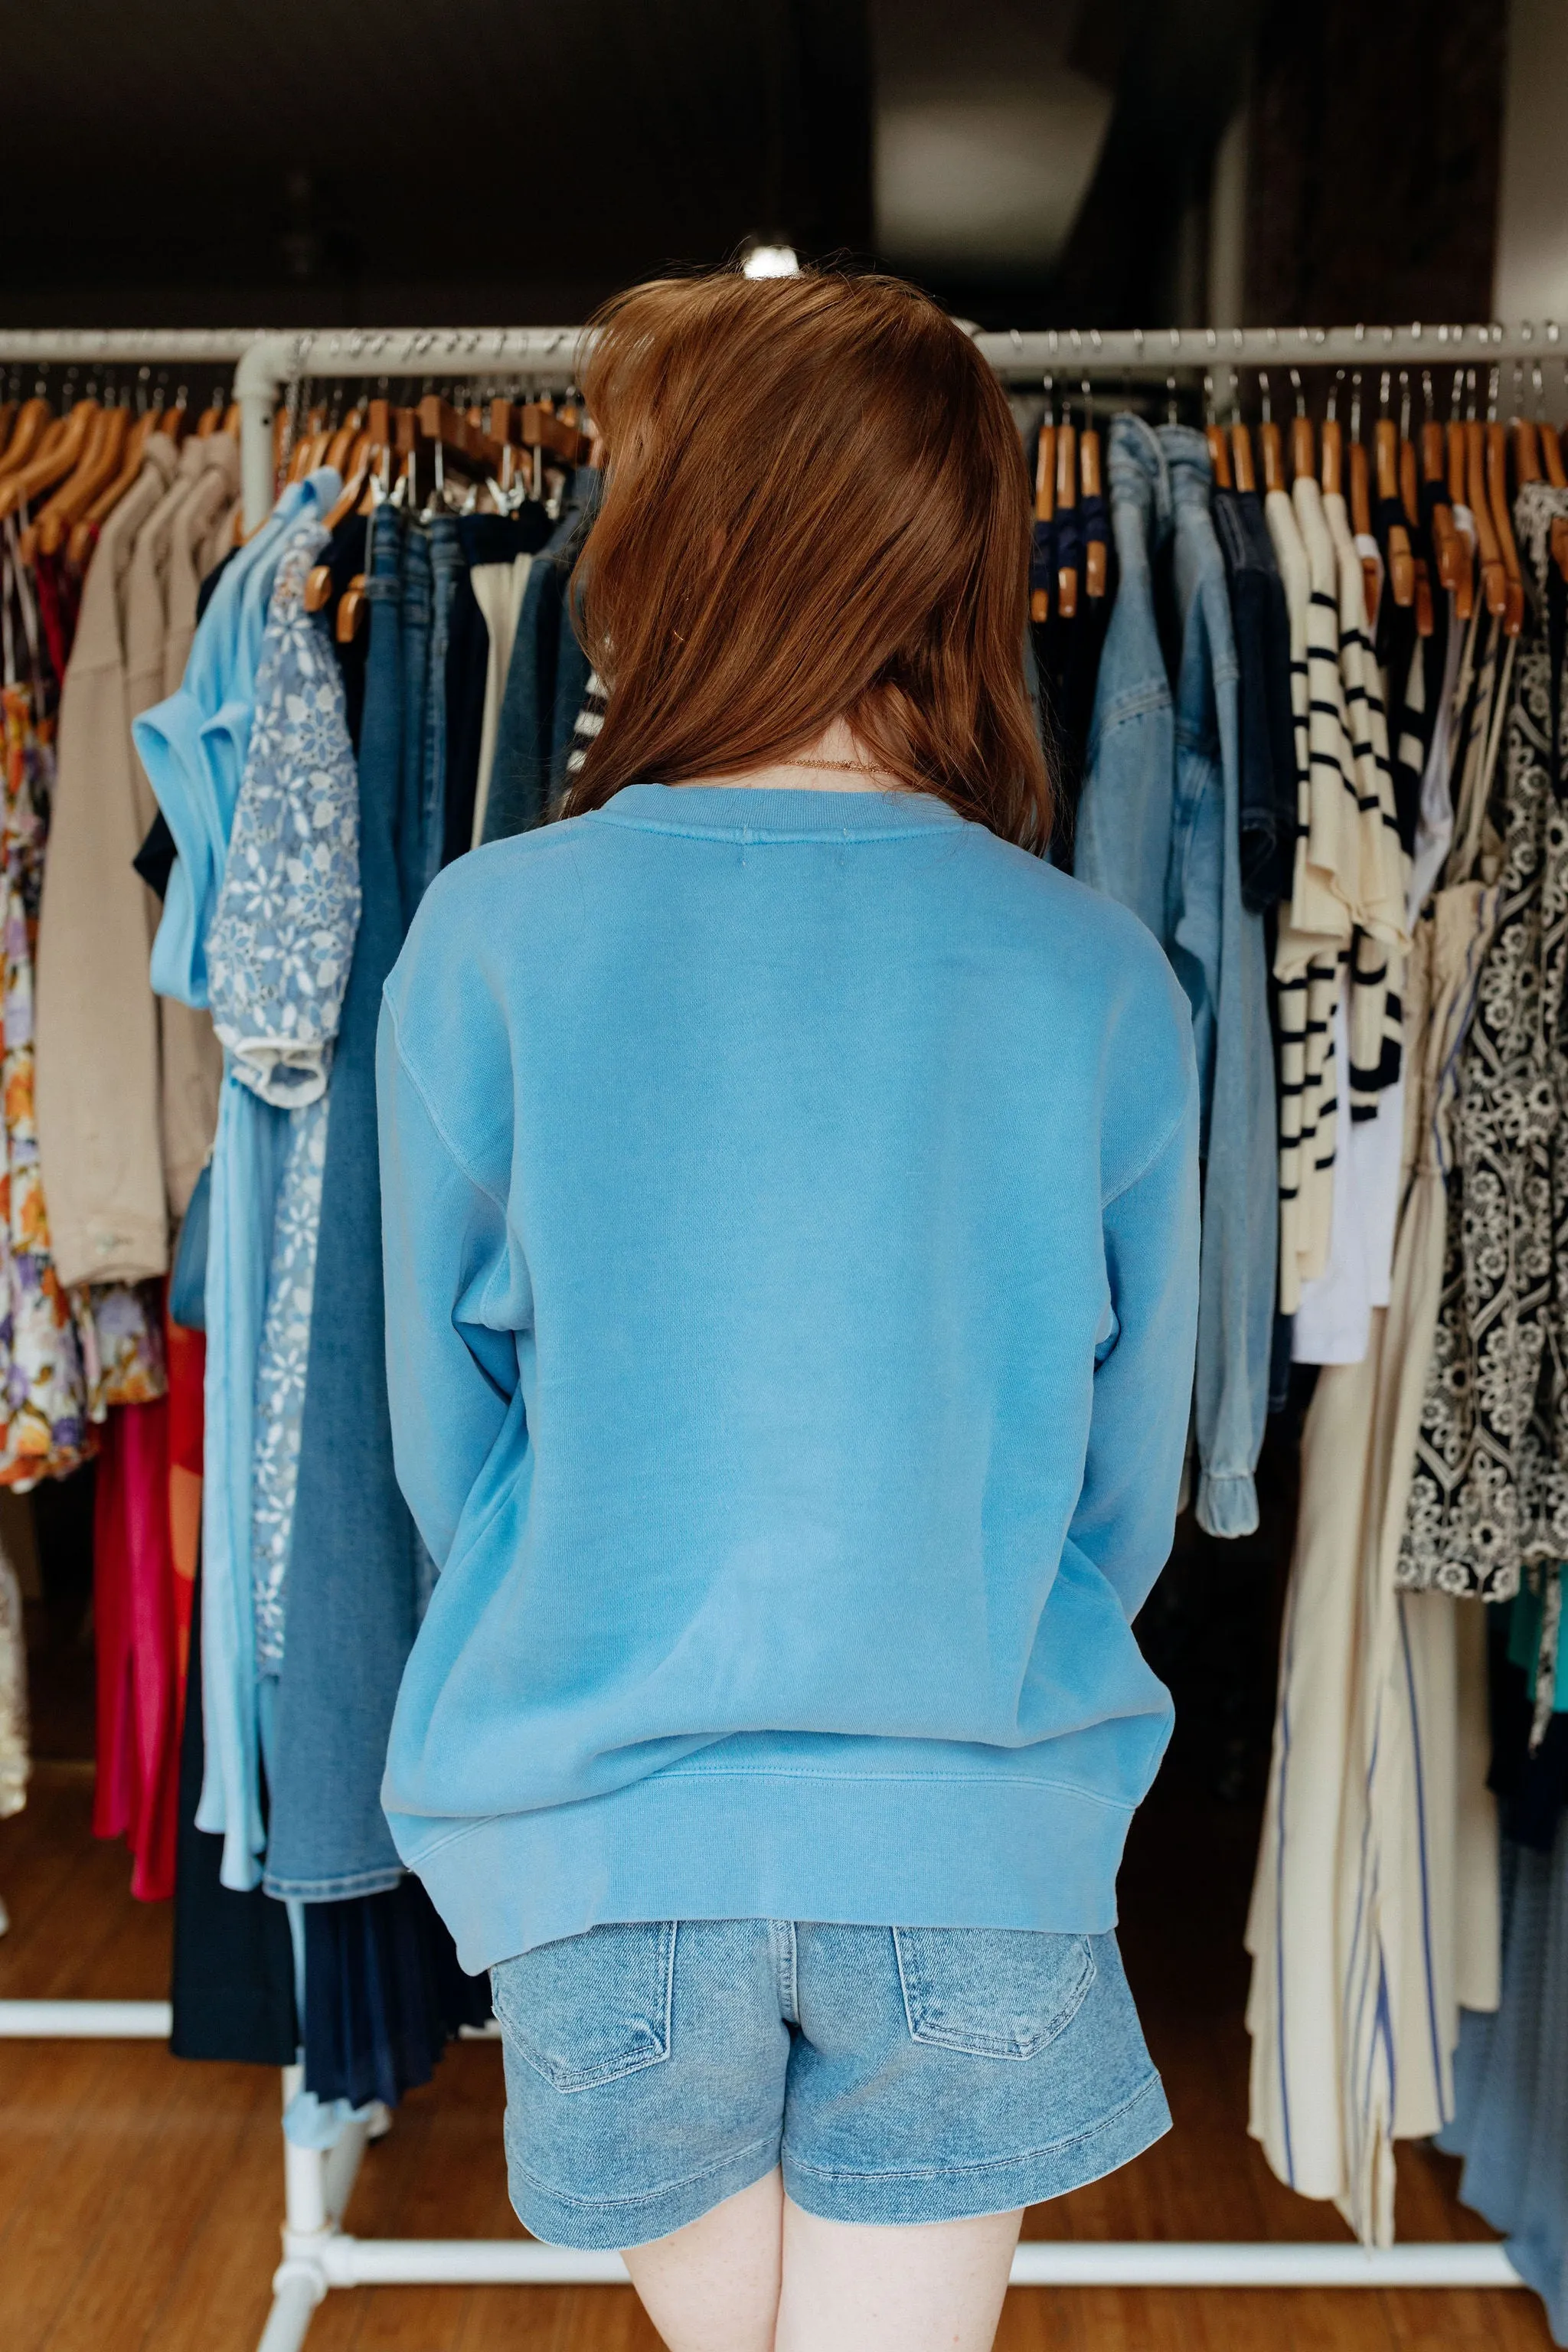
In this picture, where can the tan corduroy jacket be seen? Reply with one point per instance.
(125, 1109)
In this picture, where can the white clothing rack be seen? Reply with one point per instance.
(318, 2253)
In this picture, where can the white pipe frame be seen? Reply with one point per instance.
(318, 2253)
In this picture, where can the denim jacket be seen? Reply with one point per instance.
(1160, 829)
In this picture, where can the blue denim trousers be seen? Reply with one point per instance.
(414, 661)
(1159, 828)
(898, 2074)
(1123, 838)
(446, 563)
(1217, 946)
(353, 1567)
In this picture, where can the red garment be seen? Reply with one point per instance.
(186, 1354)
(133, 1613)
(60, 583)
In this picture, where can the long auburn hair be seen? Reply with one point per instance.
(816, 507)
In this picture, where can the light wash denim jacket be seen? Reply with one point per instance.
(1159, 828)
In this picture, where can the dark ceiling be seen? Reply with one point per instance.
(480, 162)
(415, 161)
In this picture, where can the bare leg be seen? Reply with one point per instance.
(713, 2286)
(934, 2286)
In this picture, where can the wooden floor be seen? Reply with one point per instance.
(140, 2198)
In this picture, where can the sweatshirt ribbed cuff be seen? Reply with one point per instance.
(1227, 1506)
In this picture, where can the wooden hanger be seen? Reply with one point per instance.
(1241, 455)
(1067, 500)
(93, 476)
(1214, 434)
(48, 440)
(1526, 451)
(1448, 547)
(27, 429)
(1401, 564)
(386, 427)
(539, 427)
(1301, 458)
(1361, 493)
(345, 439)
(1458, 485)
(86, 456)
(80, 543)
(1045, 503)
(52, 463)
(1494, 579)
(1095, 554)
(1359, 498)
(1331, 446)
(371, 445)
(8, 418)
(1410, 499)
(1502, 523)
(318, 578)
(440, 425)
(1360, 489)
(1269, 442)
(1552, 458)
(1551, 452)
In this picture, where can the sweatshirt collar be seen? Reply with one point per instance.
(748, 811)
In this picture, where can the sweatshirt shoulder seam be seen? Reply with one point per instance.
(1142, 1169)
(458, 1158)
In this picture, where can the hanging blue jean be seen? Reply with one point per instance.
(519, 775)
(1216, 945)
(411, 661)
(446, 564)
(1123, 839)
(539, 707)
(353, 1581)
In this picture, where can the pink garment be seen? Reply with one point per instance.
(133, 1611)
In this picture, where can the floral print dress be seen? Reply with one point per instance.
(65, 1356)
(1488, 1502)
(278, 953)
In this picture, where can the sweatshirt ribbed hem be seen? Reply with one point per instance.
(693, 1842)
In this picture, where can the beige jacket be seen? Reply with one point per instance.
(98, 1075)
(204, 514)
(155, 604)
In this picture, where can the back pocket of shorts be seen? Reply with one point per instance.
(591, 2008)
(991, 1993)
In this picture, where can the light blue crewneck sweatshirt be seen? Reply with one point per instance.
(791, 1225)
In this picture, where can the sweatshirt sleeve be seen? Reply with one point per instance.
(1143, 1375)
(456, 1298)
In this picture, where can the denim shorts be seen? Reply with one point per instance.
(898, 2074)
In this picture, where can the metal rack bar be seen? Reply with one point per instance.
(86, 2020)
(71, 346)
